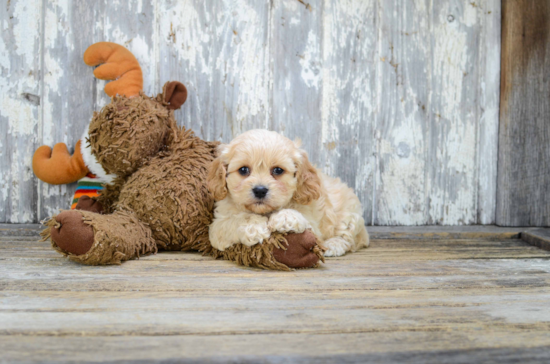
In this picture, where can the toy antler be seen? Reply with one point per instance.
(118, 64)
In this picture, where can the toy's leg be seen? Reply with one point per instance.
(95, 239)
(279, 252)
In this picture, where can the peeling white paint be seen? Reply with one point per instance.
(380, 94)
(56, 23)
(191, 39)
(20, 116)
(309, 61)
(249, 57)
(4, 58)
(26, 28)
(470, 15)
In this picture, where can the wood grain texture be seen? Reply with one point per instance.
(524, 137)
(349, 78)
(219, 50)
(537, 237)
(400, 105)
(402, 347)
(433, 123)
(20, 108)
(401, 300)
(402, 121)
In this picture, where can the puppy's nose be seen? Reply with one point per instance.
(260, 191)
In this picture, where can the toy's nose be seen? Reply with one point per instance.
(260, 191)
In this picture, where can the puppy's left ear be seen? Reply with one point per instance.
(216, 178)
(308, 187)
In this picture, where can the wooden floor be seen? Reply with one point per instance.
(420, 298)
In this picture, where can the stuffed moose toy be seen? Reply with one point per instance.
(153, 194)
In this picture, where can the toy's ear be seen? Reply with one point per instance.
(175, 94)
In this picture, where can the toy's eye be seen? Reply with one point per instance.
(277, 171)
(244, 171)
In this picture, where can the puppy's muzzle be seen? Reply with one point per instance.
(260, 192)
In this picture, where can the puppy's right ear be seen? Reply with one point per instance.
(216, 179)
(308, 187)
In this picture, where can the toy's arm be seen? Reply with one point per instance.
(58, 167)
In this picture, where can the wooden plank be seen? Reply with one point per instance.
(184, 275)
(537, 237)
(349, 76)
(431, 115)
(296, 40)
(444, 232)
(68, 98)
(402, 138)
(247, 312)
(58, 301)
(219, 50)
(20, 107)
(247, 318)
(453, 112)
(488, 88)
(449, 347)
(523, 195)
(413, 300)
(20, 229)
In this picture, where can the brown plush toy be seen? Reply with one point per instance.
(157, 198)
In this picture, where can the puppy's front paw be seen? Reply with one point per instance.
(254, 232)
(288, 220)
(336, 247)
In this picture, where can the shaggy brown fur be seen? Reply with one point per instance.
(126, 133)
(169, 193)
(159, 200)
(262, 255)
(117, 237)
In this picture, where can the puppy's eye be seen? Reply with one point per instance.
(244, 171)
(277, 171)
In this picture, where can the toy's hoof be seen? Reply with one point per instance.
(299, 252)
(85, 203)
(72, 235)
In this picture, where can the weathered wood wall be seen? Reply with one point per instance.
(397, 97)
(524, 153)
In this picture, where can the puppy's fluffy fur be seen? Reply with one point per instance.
(299, 198)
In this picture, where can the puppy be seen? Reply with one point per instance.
(263, 183)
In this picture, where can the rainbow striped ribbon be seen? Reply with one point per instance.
(87, 186)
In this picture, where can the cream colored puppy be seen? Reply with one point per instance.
(263, 182)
